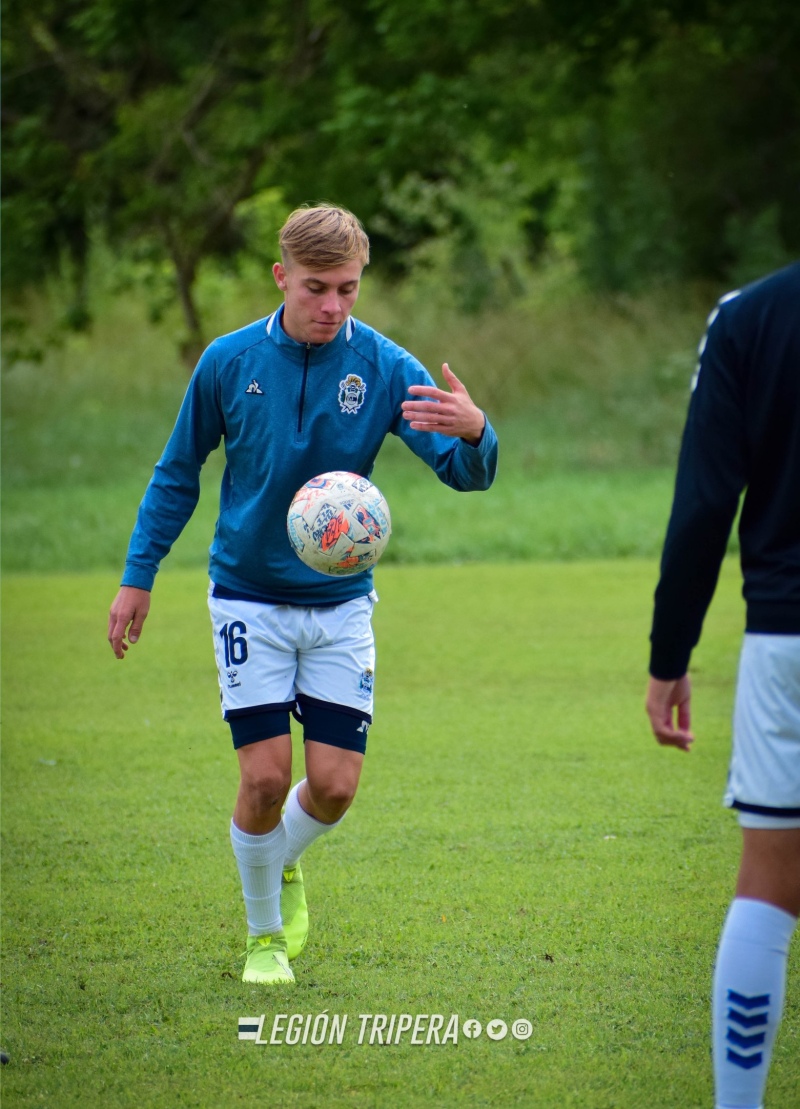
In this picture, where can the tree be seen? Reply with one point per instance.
(643, 138)
(152, 120)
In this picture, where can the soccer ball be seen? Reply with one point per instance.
(339, 523)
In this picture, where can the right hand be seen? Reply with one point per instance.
(669, 708)
(128, 614)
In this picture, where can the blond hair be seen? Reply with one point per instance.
(323, 238)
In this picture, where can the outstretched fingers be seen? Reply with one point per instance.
(449, 412)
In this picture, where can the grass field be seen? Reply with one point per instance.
(589, 398)
(519, 848)
(548, 516)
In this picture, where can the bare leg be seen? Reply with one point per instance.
(265, 770)
(770, 867)
(332, 775)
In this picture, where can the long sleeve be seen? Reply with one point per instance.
(172, 494)
(742, 434)
(712, 471)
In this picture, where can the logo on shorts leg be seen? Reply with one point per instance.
(233, 678)
(367, 680)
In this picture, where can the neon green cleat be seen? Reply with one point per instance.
(267, 960)
(294, 911)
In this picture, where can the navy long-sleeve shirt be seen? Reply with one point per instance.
(742, 433)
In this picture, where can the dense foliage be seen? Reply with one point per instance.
(640, 140)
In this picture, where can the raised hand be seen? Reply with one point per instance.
(450, 413)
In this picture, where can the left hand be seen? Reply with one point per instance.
(666, 699)
(452, 413)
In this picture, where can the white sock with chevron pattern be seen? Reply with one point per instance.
(749, 987)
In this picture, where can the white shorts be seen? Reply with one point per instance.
(315, 662)
(764, 777)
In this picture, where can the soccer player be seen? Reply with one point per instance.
(307, 390)
(743, 433)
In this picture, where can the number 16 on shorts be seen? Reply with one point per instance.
(231, 647)
(234, 642)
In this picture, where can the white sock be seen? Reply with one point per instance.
(301, 829)
(747, 1005)
(260, 862)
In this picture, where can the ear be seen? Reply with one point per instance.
(279, 273)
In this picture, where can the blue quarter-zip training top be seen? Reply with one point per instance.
(287, 411)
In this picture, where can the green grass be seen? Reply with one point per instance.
(588, 396)
(589, 421)
(519, 847)
(548, 516)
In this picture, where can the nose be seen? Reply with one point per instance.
(331, 304)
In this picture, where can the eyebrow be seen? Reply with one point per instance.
(326, 284)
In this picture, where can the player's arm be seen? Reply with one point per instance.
(711, 475)
(452, 413)
(168, 503)
(669, 708)
(127, 615)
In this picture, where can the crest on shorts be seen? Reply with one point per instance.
(351, 393)
(367, 680)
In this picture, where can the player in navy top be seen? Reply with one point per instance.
(742, 435)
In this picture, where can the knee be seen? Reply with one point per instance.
(266, 787)
(332, 798)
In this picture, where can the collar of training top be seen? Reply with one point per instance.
(322, 351)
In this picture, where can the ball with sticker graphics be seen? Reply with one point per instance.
(339, 523)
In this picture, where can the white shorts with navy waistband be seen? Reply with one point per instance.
(316, 662)
(764, 777)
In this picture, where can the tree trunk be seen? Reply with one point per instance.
(193, 345)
